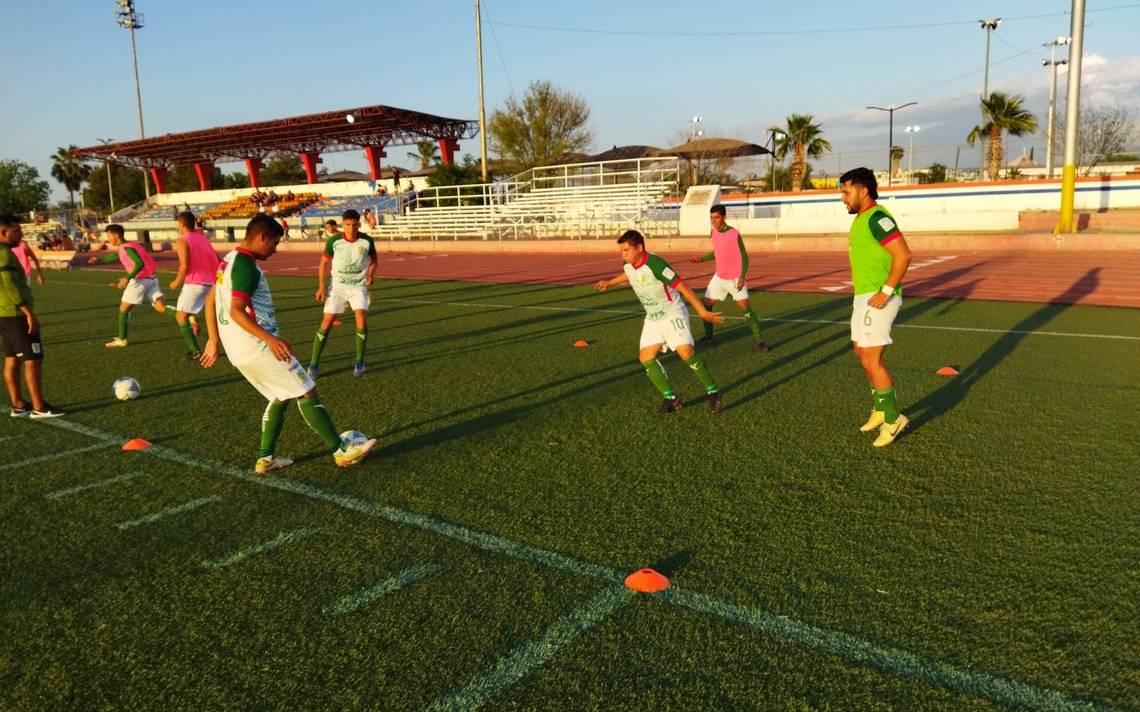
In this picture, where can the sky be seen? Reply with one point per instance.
(645, 68)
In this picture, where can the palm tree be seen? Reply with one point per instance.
(427, 153)
(1001, 113)
(805, 139)
(69, 170)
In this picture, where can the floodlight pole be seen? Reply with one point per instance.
(989, 26)
(107, 162)
(1052, 63)
(891, 132)
(1072, 116)
(772, 159)
(132, 21)
(482, 111)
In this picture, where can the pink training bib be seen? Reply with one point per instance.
(21, 253)
(726, 248)
(150, 269)
(203, 260)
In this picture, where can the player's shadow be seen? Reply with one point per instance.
(672, 564)
(101, 403)
(769, 286)
(950, 394)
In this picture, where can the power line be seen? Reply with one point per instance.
(498, 48)
(766, 33)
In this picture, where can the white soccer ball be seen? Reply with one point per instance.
(352, 438)
(126, 388)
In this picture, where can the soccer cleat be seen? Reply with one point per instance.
(716, 404)
(20, 412)
(877, 418)
(47, 412)
(193, 355)
(116, 343)
(349, 455)
(670, 405)
(706, 340)
(265, 465)
(313, 372)
(762, 346)
(358, 368)
(889, 431)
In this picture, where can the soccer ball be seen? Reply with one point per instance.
(126, 388)
(351, 438)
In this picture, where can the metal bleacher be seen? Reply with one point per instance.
(578, 200)
(333, 207)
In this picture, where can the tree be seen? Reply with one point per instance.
(427, 153)
(540, 129)
(21, 188)
(1002, 113)
(783, 179)
(127, 183)
(1102, 132)
(184, 179)
(283, 169)
(69, 170)
(804, 138)
(935, 174)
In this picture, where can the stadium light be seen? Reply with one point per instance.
(989, 26)
(127, 18)
(350, 118)
(891, 131)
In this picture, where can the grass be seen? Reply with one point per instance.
(988, 559)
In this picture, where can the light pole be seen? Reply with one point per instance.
(695, 132)
(772, 159)
(107, 162)
(891, 131)
(1072, 116)
(989, 26)
(127, 18)
(911, 131)
(1052, 63)
(482, 111)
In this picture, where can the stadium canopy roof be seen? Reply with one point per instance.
(345, 130)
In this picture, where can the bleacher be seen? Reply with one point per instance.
(333, 207)
(169, 212)
(574, 200)
(245, 206)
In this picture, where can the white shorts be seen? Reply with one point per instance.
(192, 298)
(356, 297)
(277, 380)
(672, 331)
(142, 290)
(719, 288)
(872, 327)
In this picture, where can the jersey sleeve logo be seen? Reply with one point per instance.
(668, 273)
(887, 224)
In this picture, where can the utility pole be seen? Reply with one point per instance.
(891, 132)
(989, 26)
(1072, 116)
(772, 160)
(911, 131)
(131, 20)
(482, 111)
(107, 162)
(1052, 63)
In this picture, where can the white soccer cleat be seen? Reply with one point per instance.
(116, 343)
(889, 431)
(877, 418)
(265, 465)
(350, 454)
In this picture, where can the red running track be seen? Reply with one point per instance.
(1069, 277)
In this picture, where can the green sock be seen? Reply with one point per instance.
(698, 366)
(708, 328)
(271, 421)
(187, 332)
(753, 323)
(656, 373)
(361, 339)
(317, 418)
(124, 320)
(885, 401)
(318, 346)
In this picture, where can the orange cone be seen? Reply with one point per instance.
(581, 343)
(136, 444)
(646, 581)
(947, 371)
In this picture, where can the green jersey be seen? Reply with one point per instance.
(871, 231)
(14, 289)
(654, 282)
(350, 259)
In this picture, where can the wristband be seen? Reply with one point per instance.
(888, 290)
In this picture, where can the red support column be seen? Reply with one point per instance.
(310, 159)
(253, 167)
(158, 175)
(205, 171)
(447, 148)
(374, 154)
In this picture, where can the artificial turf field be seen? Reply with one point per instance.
(989, 559)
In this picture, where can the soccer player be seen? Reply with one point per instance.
(351, 256)
(666, 319)
(197, 265)
(730, 276)
(20, 329)
(240, 316)
(140, 285)
(879, 259)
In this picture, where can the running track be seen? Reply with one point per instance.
(1068, 277)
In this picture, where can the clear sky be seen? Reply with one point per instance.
(645, 68)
